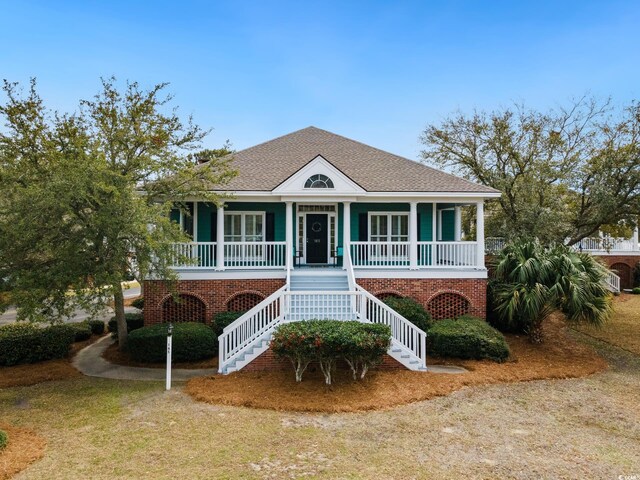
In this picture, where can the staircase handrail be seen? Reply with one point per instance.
(351, 277)
(243, 331)
(403, 331)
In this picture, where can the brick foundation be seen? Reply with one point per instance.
(214, 294)
(430, 293)
(623, 265)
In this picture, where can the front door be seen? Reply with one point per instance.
(317, 238)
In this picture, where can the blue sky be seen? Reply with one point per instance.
(378, 72)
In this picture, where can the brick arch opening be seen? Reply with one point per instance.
(625, 272)
(243, 301)
(187, 308)
(388, 294)
(448, 305)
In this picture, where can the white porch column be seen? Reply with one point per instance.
(220, 239)
(434, 222)
(346, 230)
(289, 233)
(458, 223)
(634, 239)
(480, 233)
(413, 235)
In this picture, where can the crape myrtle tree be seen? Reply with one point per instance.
(85, 196)
(564, 174)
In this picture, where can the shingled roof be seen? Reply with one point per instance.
(265, 166)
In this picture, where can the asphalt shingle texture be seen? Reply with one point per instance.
(265, 166)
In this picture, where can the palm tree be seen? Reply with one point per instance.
(531, 282)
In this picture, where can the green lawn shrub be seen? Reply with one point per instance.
(28, 343)
(134, 322)
(97, 326)
(361, 345)
(4, 439)
(81, 331)
(411, 310)
(467, 338)
(138, 303)
(222, 319)
(636, 291)
(191, 342)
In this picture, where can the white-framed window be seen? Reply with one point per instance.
(318, 181)
(244, 226)
(388, 227)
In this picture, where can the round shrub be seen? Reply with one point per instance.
(81, 330)
(4, 439)
(191, 341)
(222, 319)
(411, 310)
(138, 303)
(467, 338)
(361, 345)
(636, 291)
(29, 343)
(134, 321)
(97, 327)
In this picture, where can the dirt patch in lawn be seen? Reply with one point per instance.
(113, 355)
(24, 448)
(560, 357)
(47, 371)
(622, 329)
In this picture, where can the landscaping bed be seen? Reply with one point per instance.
(47, 371)
(24, 447)
(560, 357)
(119, 357)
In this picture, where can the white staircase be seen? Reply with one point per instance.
(318, 294)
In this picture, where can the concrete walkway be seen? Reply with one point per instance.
(90, 362)
(446, 369)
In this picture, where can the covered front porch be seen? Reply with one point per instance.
(410, 234)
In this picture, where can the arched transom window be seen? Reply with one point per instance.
(318, 181)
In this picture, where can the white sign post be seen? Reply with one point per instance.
(169, 341)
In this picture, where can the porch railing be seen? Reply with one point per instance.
(447, 254)
(194, 254)
(430, 254)
(255, 254)
(380, 254)
(591, 244)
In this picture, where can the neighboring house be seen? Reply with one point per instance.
(621, 255)
(321, 226)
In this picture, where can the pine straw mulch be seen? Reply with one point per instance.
(24, 448)
(47, 371)
(118, 357)
(559, 357)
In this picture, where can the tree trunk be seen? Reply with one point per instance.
(536, 335)
(118, 306)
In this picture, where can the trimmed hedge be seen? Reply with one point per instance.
(81, 330)
(636, 291)
(4, 439)
(134, 322)
(412, 311)
(467, 338)
(222, 319)
(29, 343)
(138, 303)
(361, 345)
(97, 326)
(191, 341)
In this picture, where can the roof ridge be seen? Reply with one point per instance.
(400, 157)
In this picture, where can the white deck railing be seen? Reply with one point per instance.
(244, 331)
(380, 254)
(194, 254)
(447, 254)
(403, 331)
(592, 244)
(255, 254)
(613, 281)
